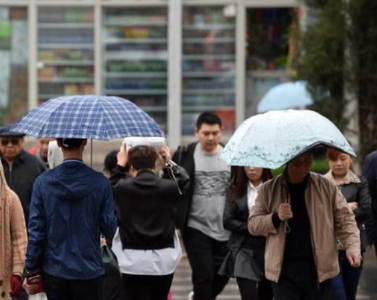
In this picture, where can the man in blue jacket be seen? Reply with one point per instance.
(71, 206)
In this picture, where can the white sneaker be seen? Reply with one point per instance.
(190, 296)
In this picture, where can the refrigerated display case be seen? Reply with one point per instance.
(135, 57)
(14, 60)
(268, 32)
(65, 51)
(208, 65)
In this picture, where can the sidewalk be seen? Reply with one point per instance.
(182, 281)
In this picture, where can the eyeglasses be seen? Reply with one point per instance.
(14, 141)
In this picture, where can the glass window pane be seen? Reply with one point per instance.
(65, 51)
(208, 64)
(268, 32)
(13, 63)
(135, 57)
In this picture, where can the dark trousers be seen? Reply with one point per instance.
(62, 289)
(344, 286)
(23, 296)
(206, 256)
(145, 287)
(298, 281)
(252, 290)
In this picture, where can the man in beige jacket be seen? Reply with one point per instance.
(13, 241)
(305, 218)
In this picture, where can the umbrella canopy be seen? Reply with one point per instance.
(88, 117)
(284, 96)
(272, 139)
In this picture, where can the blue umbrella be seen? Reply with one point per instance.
(284, 96)
(272, 139)
(88, 117)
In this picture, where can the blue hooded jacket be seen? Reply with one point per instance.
(71, 206)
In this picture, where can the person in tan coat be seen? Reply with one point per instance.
(304, 216)
(13, 241)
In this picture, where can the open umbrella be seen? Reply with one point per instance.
(88, 117)
(272, 139)
(284, 96)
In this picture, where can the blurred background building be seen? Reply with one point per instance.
(173, 58)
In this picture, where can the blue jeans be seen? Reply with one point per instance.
(344, 286)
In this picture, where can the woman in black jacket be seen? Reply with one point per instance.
(245, 260)
(146, 243)
(355, 190)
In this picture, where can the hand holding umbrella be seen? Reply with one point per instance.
(285, 212)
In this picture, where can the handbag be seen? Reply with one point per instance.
(110, 261)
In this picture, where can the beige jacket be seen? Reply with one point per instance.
(13, 237)
(329, 217)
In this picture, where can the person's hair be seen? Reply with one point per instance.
(71, 144)
(209, 118)
(110, 161)
(142, 157)
(333, 154)
(239, 180)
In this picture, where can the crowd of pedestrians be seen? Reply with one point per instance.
(298, 235)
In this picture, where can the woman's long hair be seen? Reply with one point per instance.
(239, 180)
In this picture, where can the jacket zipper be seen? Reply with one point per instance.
(10, 175)
(313, 244)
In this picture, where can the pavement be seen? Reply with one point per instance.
(182, 281)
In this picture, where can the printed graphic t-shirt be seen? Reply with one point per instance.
(211, 180)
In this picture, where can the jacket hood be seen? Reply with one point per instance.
(73, 180)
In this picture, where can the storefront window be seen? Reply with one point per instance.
(268, 34)
(135, 57)
(65, 51)
(208, 65)
(13, 63)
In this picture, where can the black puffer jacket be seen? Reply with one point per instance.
(370, 173)
(184, 156)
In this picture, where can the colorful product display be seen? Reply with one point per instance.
(268, 31)
(135, 57)
(208, 65)
(65, 51)
(13, 63)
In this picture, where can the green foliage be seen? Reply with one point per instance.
(321, 61)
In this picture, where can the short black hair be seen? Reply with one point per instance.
(110, 161)
(142, 157)
(71, 144)
(208, 118)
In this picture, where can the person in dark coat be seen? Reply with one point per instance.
(72, 205)
(20, 168)
(370, 174)
(200, 215)
(355, 191)
(146, 244)
(245, 259)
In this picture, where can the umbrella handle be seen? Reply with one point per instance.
(287, 228)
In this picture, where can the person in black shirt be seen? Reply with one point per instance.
(20, 168)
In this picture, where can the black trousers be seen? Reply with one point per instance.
(252, 290)
(206, 256)
(62, 289)
(145, 287)
(298, 281)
